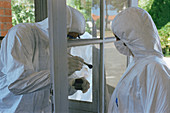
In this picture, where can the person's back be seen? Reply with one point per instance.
(23, 41)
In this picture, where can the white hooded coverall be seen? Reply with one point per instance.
(145, 85)
(25, 82)
(25, 68)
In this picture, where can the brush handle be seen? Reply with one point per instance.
(89, 65)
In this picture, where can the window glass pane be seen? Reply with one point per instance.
(89, 52)
(91, 55)
(22, 11)
(91, 11)
(112, 8)
(89, 101)
(85, 52)
(95, 13)
(115, 65)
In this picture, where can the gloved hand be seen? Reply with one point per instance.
(75, 63)
(81, 84)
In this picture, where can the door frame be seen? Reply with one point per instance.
(58, 55)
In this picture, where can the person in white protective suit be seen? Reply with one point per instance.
(25, 66)
(144, 87)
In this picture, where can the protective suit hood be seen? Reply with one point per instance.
(135, 27)
(75, 21)
(43, 25)
(78, 21)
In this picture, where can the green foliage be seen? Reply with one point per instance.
(145, 4)
(159, 11)
(22, 11)
(164, 34)
(84, 7)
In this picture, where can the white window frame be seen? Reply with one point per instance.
(58, 54)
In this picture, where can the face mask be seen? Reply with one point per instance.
(122, 48)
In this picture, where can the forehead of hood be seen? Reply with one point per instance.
(135, 27)
(44, 23)
(75, 21)
(78, 21)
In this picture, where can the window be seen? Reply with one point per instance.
(107, 62)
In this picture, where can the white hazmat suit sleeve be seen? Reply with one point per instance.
(31, 83)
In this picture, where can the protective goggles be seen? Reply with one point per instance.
(71, 37)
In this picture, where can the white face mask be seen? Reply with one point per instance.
(122, 48)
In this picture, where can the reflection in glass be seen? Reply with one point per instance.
(95, 13)
(84, 6)
(84, 52)
(115, 65)
(91, 11)
(112, 8)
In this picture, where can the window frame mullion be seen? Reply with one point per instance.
(58, 55)
(101, 72)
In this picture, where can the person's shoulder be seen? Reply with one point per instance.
(151, 61)
(155, 61)
(22, 26)
(21, 29)
(19, 32)
(158, 66)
